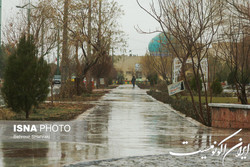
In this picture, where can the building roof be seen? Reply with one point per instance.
(158, 46)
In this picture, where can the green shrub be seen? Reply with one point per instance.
(120, 77)
(182, 105)
(143, 85)
(216, 87)
(193, 84)
(162, 86)
(152, 78)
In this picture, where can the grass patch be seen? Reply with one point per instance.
(6, 114)
(144, 86)
(57, 112)
(94, 96)
(112, 86)
(214, 100)
(184, 104)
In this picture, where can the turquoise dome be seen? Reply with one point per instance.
(158, 45)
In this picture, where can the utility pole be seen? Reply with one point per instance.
(112, 55)
(58, 51)
(43, 20)
(64, 62)
(88, 76)
(100, 26)
(29, 19)
(28, 15)
(0, 23)
(89, 29)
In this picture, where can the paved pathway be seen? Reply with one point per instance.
(125, 123)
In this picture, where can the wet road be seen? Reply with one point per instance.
(126, 122)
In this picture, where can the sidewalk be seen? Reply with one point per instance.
(125, 128)
(130, 123)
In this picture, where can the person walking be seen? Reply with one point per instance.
(133, 81)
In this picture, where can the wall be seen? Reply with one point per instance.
(126, 64)
(230, 115)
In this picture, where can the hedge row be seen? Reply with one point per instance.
(182, 105)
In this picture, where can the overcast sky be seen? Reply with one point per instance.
(134, 15)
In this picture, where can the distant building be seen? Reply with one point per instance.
(160, 46)
(129, 66)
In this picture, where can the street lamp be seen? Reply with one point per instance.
(0, 22)
(28, 13)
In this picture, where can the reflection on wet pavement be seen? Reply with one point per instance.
(127, 122)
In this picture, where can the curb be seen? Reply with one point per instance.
(85, 114)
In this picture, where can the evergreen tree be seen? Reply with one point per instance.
(194, 85)
(26, 78)
(231, 79)
(5, 51)
(216, 87)
(152, 78)
(2, 63)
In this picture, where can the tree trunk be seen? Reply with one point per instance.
(191, 94)
(65, 42)
(88, 82)
(88, 76)
(27, 114)
(77, 70)
(52, 95)
(77, 86)
(243, 96)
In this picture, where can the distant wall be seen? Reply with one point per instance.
(230, 115)
(127, 64)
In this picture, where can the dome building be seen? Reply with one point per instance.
(158, 46)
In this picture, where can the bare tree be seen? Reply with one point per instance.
(65, 45)
(161, 57)
(105, 32)
(41, 26)
(234, 46)
(147, 66)
(148, 69)
(240, 8)
(76, 18)
(102, 68)
(193, 24)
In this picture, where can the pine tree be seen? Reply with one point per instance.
(193, 83)
(26, 78)
(2, 62)
(216, 87)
